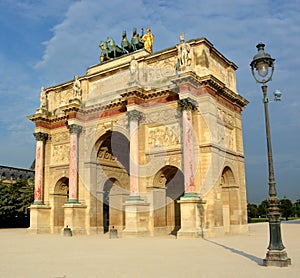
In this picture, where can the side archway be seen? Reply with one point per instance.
(114, 196)
(230, 199)
(60, 197)
(168, 187)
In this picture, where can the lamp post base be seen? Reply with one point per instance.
(277, 258)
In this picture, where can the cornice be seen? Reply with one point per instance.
(213, 83)
(188, 77)
(158, 94)
(134, 92)
(121, 104)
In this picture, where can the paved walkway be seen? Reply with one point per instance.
(54, 256)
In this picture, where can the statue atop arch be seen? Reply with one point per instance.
(184, 55)
(110, 50)
(136, 41)
(148, 39)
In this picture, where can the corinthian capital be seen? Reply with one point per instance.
(74, 129)
(186, 104)
(134, 115)
(40, 136)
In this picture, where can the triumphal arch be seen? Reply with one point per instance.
(148, 143)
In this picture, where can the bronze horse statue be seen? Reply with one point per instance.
(109, 50)
(104, 52)
(136, 40)
(113, 49)
(126, 45)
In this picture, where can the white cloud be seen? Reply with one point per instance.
(38, 10)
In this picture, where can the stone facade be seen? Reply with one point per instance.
(148, 143)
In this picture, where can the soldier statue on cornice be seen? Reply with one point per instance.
(43, 101)
(184, 55)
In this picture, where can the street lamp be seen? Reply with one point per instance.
(262, 68)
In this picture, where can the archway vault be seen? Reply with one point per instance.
(231, 203)
(60, 197)
(168, 187)
(113, 150)
(112, 179)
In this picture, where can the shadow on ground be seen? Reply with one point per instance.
(255, 259)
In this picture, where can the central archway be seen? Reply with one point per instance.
(112, 179)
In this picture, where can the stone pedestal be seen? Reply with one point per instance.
(190, 210)
(39, 219)
(277, 258)
(74, 215)
(136, 218)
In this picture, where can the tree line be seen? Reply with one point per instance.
(15, 199)
(287, 209)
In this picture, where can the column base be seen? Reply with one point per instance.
(74, 218)
(134, 198)
(72, 201)
(137, 218)
(39, 219)
(38, 202)
(277, 258)
(191, 215)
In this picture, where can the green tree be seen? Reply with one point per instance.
(286, 208)
(263, 208)
(252, 211)
(15, 198)
(297, 208)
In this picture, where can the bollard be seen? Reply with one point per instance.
(67, 231)
(113, 233)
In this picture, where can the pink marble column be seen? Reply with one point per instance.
(134, 117)
(73, 164)
(39, 168)
(186, 106)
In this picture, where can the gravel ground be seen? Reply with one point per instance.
(55, 256)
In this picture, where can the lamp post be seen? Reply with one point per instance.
(262, 68)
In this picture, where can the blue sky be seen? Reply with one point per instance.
(44, 43)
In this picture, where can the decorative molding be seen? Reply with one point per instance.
(105, 154)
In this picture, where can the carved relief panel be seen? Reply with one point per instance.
(60, 154)
(226, 128)
(163, 136)
(157, 74)
(60, 148)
